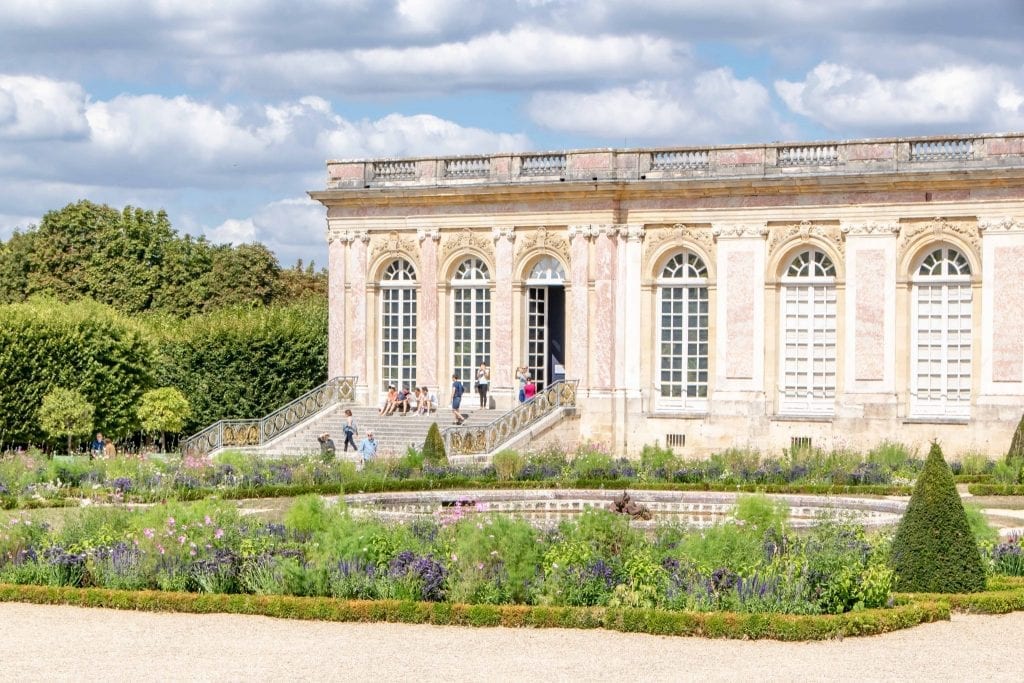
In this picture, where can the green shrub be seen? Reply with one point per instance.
(934, 550)
(974, 463)
(654, 458)
(433, 446)
(508, 464)
(494, 559)
(761, 512)
(891, 455)
(308, 515)
(982, 530)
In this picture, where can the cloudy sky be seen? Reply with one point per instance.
(224, 112)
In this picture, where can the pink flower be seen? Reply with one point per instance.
(192, 553)
(480, 565)
(148, 533)
(209, 522)
(160, 548)
(170, 521)
(181, 539)
(218, 533)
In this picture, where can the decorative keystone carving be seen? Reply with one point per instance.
(393, 244)
(467, 240)
(781, 236)
(543, 238)
(937, 229)
(678, 234)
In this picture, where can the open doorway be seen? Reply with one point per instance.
(545, 322)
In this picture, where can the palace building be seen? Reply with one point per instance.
(831, 294)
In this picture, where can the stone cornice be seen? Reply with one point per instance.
(1001, 224)
(870, 228)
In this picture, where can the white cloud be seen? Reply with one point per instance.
(291, 228)
(34, 108)
(949, 98)
(714, 107)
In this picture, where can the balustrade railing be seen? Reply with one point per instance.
(241, 433)
(679, 161)
(467, 168)
(808, 155)
(941, 150)
(394, 170)
(542, 164)
(485, 439)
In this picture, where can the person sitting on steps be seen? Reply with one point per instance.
(402, 401)
(389, 402)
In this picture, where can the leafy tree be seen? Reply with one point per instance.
(163, 410)
(45, 343)
(65, 412)
(298, 283)
(433, 446)
(934, 550)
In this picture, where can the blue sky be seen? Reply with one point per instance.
(223, 113)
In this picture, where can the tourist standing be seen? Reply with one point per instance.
(367, 448)
(521, 376)
(457, 391)
(483, 383)
(350, 429)
(529, 389)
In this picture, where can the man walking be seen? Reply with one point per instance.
(457, 391)
(367, 448)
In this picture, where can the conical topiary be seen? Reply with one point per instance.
(433, 447)
(1017, 444)
(934, 550)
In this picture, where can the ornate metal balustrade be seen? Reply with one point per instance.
(486, 438)
(239, 433)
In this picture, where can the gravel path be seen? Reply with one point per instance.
(45, 643)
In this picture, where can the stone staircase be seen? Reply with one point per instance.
(394, 433)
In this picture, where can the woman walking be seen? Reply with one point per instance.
(483, 383)
(350, 430)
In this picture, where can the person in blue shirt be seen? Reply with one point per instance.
(367, 448)
(457, 391)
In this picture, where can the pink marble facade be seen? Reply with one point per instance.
(501, 313)
(578, 336)
(1008, 314)
(336, 255)
(357, 311)
(426, 314)
(739, 315)
(603, 331)
(869, 309)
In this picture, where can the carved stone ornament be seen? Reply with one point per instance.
(583, 231)
(782, 235)
(881, 228)
(938, 228)
(507, 233)
(466, 240)
(424, 233)
(348, 236)
(1001, 224)
(632, 232)
(724, 231)
(678, 234)
(543, 238)
(394, 244)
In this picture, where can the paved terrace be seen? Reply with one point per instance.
(909, 156)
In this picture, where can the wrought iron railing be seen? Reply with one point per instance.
(486, 438)
(239, 433)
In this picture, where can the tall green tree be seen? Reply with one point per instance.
(65, 412)
(163, 410)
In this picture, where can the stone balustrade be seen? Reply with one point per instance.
(894, 155)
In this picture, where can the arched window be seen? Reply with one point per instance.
(471, 318)
(807, 358)
(940, 383)
(398, 325)
(683, 334)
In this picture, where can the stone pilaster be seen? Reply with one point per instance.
(502, 381)
(1002, 308)
(427, 339)
(630, 307)
(604, 330)
(578, 334)
(357, 295)
(337, 257)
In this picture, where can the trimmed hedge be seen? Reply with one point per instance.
(996, 489)
(787, 627)
(934, 549)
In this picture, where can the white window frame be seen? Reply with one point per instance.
(398, 287)
(942, 294)
(808, 335)
(685, 274)
(471, 285)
